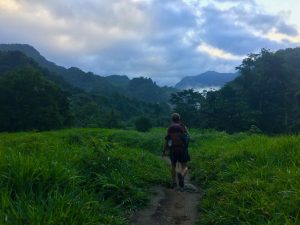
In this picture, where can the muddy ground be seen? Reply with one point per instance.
(170, 207)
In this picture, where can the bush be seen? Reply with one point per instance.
(254, 130)
(143, 124)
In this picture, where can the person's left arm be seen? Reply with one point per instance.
(165, 148)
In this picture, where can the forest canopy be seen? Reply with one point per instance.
(28, 101)
(266, 95)
(35, 98)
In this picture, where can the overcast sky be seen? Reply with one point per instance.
(162, 39)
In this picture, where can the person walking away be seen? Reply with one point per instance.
(176, 141)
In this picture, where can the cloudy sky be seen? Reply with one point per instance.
(162, 39)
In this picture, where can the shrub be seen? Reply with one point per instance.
(254, 130)
(143, 124)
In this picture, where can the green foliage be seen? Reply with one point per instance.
(96, 104)
(142, 89)
(188, 104)
(152, 141)
(113, 119)
(226, 110)
(118, 80)
(15, 60)
(28, 101)
(79, 176)
(265, 94)
(247, 179)
(145, 89)
(266, 86)
(254, 130)
(143, 124)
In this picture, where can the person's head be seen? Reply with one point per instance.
(175, 117)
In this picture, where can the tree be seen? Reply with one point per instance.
(265, 95)
(28, 101)
(264, 83)
(113, 119)
(226, 110)
(188, 104)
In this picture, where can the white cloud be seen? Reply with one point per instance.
(218, 53)
(163, 39)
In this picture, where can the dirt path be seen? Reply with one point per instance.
(170, 207)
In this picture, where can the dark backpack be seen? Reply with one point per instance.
(176, 138)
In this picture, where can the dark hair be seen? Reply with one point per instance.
(175, 117)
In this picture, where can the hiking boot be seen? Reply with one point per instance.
(180, 180)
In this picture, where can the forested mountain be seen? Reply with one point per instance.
(204, 80)
(27, 99)
(13, 60)
(265, 96)
(32, 97)
(34, 54)
(147, 90)
(118, 80)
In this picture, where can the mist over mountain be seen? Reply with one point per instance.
(209, 79)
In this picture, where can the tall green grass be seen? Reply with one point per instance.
(247, 179)
(98, 176)
(77, 176)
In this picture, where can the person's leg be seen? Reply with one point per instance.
(184, 169)
(173, 168)
(182, 174)
(173, 172)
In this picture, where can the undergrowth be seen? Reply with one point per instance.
(77, 176)
(99, 176)
(247, 179)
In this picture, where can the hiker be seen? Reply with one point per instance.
(176, 141)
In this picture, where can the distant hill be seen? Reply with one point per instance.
(14, 60)
(144, 90)
(23, 80)
(31, 52)
(204, 80)
(118, 80)
(74, 76)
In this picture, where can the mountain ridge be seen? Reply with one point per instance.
(92, 83)
(206, 79)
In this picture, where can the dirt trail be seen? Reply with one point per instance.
(170, 207)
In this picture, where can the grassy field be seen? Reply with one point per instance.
(247, 179)
(77, 176)
(98, 176)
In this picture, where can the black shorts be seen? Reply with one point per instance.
(181, 156)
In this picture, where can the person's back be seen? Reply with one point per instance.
(175, 141)
(175, 135)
